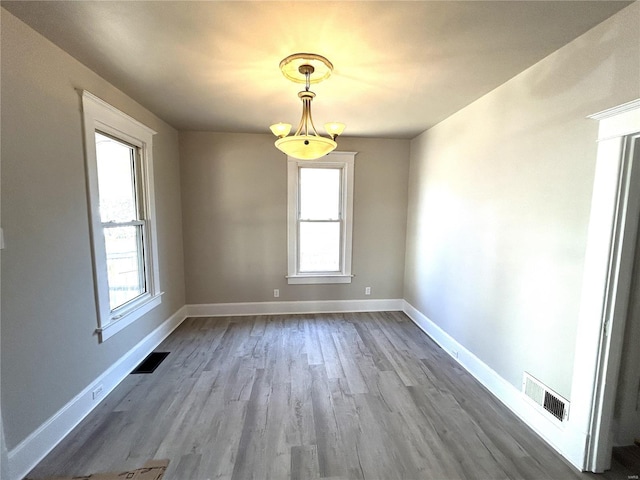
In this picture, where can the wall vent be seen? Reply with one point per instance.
(546, 399)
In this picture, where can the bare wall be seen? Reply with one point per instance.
(49, 349)
(499, 200)
(234, 197)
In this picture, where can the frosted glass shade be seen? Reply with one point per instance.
(280, 129)
(306, 147)
(334, 128)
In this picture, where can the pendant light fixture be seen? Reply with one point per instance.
(306, 143)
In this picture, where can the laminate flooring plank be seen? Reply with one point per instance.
(295, 332)
(186, 467)
(330, 454)
(285, 349)
(304, 462)
(62, 457)
(183, 433)
(469, 437)
(488, 418)
(405, 367)
(258, 325)
(338, 396)
(300, 426)
(504, 447)
(90, 461)
(352, 373)
(312, 344)
(364, 354)
(258, 357)
(380, 451)
(272, 344)
(277, 450)
(252, 428)
(378, 356)
(423, 442)
(348, 421)
(263, 452)
(405, 448)
(223, 442)
(238, 384)
(327, 345)
(456, 434)
(226, 346)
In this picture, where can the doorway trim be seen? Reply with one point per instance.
(613, 226)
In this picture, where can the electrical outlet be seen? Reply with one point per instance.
(276, 293)
(367, 290)
(97, 392)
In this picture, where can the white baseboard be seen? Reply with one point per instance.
(36, 446)
(278, 308)
(565, 439)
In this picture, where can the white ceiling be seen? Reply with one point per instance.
(400, 67)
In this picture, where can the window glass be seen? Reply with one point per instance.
(319, 246)
(125, 266)
(116, 179)
(320, 193)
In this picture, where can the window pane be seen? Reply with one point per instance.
(320, 193)
(124, 264)
(116, 185)
(319, 246)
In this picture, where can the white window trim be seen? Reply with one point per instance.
(346, 161)
(99, 115)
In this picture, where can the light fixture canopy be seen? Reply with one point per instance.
(306, 143)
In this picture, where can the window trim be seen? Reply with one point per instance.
(102, 117)
(345, 161)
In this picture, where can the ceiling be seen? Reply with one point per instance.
(400, 67)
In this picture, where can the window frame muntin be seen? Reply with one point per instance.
(346, 161)
(102, 117)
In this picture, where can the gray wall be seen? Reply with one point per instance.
(234, 197)
(499, 200)
(49, 350)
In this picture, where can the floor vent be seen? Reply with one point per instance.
(545, 398)
(149, 364)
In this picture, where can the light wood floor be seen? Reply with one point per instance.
(363, 396)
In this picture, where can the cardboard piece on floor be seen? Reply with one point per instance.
(152, 470)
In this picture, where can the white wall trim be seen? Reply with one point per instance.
(345, 162)
(99, 116)
(565, 439)
(277, 308)
(607, 277)
(36, 446)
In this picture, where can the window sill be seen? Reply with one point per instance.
(138, 310)
(318, 279)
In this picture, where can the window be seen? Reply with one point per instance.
(120, 181)
(320, 219)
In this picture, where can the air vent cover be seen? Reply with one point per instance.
(149, 364)
(546, 399)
